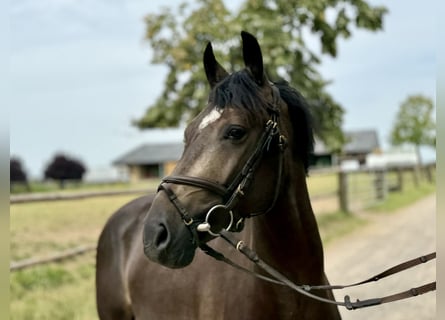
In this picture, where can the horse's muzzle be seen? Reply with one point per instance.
(171, 249)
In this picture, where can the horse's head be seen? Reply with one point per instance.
(232, 164)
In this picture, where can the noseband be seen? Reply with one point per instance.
(221, 217)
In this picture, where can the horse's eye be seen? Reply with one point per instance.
(235, 133)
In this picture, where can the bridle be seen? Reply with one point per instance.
(220, 221)
(232, 193)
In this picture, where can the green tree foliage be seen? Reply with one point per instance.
(415, 123)
(283, 28)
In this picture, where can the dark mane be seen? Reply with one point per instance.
(301, 120)
(238, 90)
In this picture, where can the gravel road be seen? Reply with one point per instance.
(388, 240)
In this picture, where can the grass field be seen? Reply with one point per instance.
(66, 290)
(43, 227)
(57, 290)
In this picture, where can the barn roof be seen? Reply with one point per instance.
(151, 153)
(357, 141)
(361, 141)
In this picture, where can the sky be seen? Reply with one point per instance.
(80, 72)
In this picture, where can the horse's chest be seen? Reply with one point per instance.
(217, 295)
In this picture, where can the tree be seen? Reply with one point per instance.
(283, 27)
(63, 168)
(17, 174)
(415, 124)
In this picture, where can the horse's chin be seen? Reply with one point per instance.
(174, 259)
(182, 260)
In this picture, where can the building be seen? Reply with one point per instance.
(396, 157)
(322, 157)
(155, 160)
(359, 144)
(151, 160)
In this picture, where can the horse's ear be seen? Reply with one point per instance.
(214, 71)
(253, 59)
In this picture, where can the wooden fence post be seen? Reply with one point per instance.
(343, 191)
(429, 176)
(415, 171)
(379, 184)
(399, 179)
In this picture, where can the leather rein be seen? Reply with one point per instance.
(220, 222)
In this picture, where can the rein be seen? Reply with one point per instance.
(219, 222)
(279, 278)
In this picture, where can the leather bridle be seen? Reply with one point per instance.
(232, 193)
(220, 221)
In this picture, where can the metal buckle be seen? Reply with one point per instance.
(282, 142)
(207, 226)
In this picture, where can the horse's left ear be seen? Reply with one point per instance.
(214, 71)
(253, 58)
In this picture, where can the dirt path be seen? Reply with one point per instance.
(387, 241)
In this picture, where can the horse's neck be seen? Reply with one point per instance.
(287, 237)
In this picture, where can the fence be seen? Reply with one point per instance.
(359, 189)
(24, 198)
(23, 264)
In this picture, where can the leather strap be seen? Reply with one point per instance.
(188, 220)
(278, 278)
(197, 182)
(393, 270)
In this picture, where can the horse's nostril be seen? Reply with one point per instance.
(161, 239)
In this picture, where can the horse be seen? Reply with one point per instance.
(243, 170)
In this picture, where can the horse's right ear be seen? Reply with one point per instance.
(253, 58)
(214, 71)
